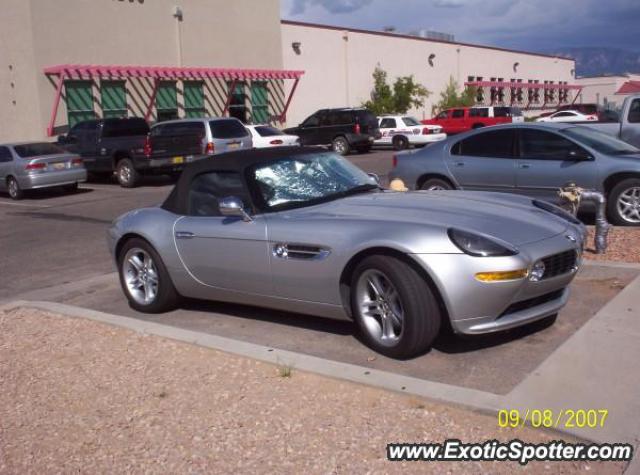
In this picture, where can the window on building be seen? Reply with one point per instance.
(113, 98)
(194, 99)
(167, 101)
(79, 100)
(238, 104)
(259, 102)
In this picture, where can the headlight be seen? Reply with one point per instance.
(480, 246)
(553, 209)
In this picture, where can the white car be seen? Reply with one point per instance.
(267, 136)
(402, 131)
(568, 116)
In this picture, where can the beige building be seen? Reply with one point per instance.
(338, 64)
(39, 34)
(607, 91)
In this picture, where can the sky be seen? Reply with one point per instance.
(533, 25)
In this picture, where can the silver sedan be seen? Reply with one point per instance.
(304, 230)
(27, 166)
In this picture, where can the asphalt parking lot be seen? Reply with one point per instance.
(52, 239)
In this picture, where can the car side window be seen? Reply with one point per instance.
(457, 114)
(5, 155)
(634, 111)
(206, 189)
(388, 123)
(442, 115)
(543, 145)
(479, 112)
(564, 114)
(489, 144)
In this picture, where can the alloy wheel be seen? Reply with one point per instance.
(13, 188)
(124, 173)
(380, 307)
(140, 276)
(628, 205)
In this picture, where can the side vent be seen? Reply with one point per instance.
(299, 251)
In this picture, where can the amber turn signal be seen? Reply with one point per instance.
(498, 276)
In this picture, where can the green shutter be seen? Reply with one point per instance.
(194, 99)
(114, 99)
(79, 98)
(167, 101)
(259, 102)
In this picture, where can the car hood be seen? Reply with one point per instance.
(511, 218)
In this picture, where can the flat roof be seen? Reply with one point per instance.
(417, 38)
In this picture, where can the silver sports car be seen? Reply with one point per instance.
(304, 230)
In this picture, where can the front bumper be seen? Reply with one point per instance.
(476, 307)
(49, 179)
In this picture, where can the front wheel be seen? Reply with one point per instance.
(394, 307)
(13, 187)
(436, 184)
(144, 278)
(623, 203)
(341, 146)
(127, 175)
(400, 142)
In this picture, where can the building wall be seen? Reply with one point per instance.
(340, 64)
(602, 89)
(41, 33)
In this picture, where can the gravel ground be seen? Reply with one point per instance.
(623, 244)
(82, 397)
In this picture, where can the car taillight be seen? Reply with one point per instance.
(426, 131)
(76, 162)
(36, 166)
(276, 142)
(356, 129)
(210, 148)
(592, 117)
(147, 149)
(395, 161)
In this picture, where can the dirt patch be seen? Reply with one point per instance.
(623, 245)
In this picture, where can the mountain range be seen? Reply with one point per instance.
(596, 61)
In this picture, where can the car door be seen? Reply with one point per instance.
(630, 131)
(6, 165)
(308, 129)
(485, 161)
(387, 129)
(457, 121)
(223, 252)
(548, 161)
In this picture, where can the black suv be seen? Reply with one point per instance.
(344, 129)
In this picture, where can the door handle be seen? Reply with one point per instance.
(184, 235)
(525, 165)
(459, 164)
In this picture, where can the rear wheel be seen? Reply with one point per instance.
(127, 175)
(13, 187)
(341, 146)
(400, 142)
(623, 203)
(144, 278)
(436, 184)
(396, 311)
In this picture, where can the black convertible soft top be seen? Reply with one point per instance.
(239, 161)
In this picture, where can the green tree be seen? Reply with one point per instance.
(451, 97)
(405, 94)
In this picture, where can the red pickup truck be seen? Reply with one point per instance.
(461, 119)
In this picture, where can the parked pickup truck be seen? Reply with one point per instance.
(628, 127)
(126, 147)
(461, 119)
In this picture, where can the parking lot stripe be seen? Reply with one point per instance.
(27, 205)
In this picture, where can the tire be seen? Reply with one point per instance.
(341, 146)
(400, 142)
(436, 184)
(73, 188)
(623, 203)
(139, 260)
(14, 190)
(413, 316)
(126, 174)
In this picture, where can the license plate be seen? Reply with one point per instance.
(178, 160)
(233, 145)
(59, 166)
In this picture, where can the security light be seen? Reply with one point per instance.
(515, 67)
(296, 47)
(177, 13)
(431, 58)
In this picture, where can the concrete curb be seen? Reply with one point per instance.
(622, 265)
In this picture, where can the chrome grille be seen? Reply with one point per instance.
(559, 264)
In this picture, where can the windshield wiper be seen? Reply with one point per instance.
(360, 189)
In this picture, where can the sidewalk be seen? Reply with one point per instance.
(82, 396)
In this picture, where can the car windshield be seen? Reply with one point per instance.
(305, 180)
(267, 131)
(39, 149)
(409, 121)
(600, 141)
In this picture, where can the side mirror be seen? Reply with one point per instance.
(375, 177)
(233, 206)
(578, 155)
